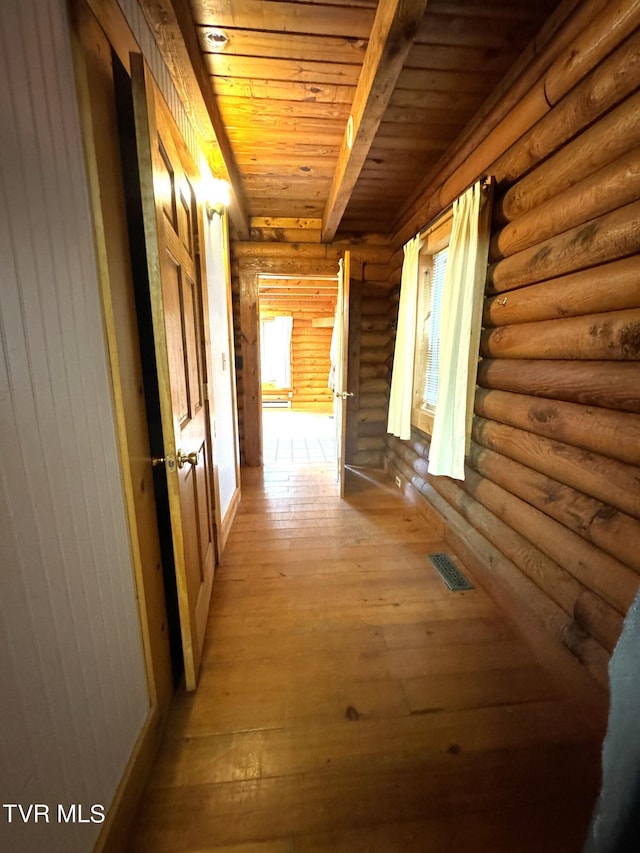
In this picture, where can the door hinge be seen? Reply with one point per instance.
(205, 386)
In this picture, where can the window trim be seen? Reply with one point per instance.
(436, 238)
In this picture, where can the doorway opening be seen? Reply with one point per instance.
(297, 316)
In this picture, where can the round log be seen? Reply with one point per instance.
(525, 114)
(616, 533)
(371, 340)
(370, 324)
(369, 443)
(596, 337)
(374, 386)
(373, 371)
(601, 621)
(608, 287)
(372, 401)
(613, 186)
(607, 30)
(613, 385)
(374, 356)
(374, 428)
(611, 433)
(374, 307)
(609, 481)
(613, 582)
(612, 81)
(378, 416)
(614, 235)
(613, 135)
(368, 458)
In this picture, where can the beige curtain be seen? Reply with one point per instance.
(399, 420)
(460, 326)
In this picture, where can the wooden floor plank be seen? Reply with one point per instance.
(268, 808)
(350, 703)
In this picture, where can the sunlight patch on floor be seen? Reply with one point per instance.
(297, 438)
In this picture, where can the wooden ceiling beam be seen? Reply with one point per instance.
(177, 39)
(394, 28)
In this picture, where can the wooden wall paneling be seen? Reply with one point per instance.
(312, 305)
(374, 372)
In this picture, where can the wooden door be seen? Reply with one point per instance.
(340, 393)
(167, 178)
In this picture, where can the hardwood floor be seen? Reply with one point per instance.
(349, 703)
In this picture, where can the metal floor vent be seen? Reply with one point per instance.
(450, 573)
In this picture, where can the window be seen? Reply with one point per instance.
(432, 266)
(275, 350)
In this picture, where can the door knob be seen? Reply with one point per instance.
(191, 458)
(343, 394)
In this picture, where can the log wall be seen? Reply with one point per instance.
(297, 252)
(553, 478)
(310, 348)
(372, 333)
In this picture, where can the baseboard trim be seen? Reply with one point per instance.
(117, 826)
(225, 527)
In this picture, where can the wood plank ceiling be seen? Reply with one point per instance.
(285, 78)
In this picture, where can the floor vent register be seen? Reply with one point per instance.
(450, 573)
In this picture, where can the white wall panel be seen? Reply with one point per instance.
(226, 449)
(72, 677)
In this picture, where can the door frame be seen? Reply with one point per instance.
(249, 273)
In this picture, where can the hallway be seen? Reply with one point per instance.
(349, 702)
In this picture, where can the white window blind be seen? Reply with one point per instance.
(432, 329)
